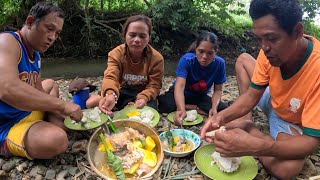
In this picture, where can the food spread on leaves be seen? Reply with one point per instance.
(89, 116)
(143, 116)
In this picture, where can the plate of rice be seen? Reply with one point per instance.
(92, 118)
(146, 115)
(193, 118)
(209, 163)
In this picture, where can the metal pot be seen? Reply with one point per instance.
(94, 157)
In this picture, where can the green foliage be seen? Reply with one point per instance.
(311, 29)
(197, 15)
(310, 7)
(8, 9)
(92, 27)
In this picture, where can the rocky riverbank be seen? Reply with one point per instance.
(74, 165)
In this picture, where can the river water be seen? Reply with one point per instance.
(70, 68)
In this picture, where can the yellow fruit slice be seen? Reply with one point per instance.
(150, 144)
(133, 169)
(101, 147)
(150, 158)
(137, 143)
(133, 113)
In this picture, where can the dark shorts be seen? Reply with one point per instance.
(167, 103)
(129, 95)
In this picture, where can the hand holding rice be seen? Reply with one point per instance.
(213, 133)
(225, 164)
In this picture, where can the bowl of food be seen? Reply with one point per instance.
(179, 142)
(132, 153)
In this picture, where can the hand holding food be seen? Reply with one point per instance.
(72, 110)
(140, 103)
(106, 104)
(178, 117)
(225, 164)
(213, 123)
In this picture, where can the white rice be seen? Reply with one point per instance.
(226, 164)
(191, 115)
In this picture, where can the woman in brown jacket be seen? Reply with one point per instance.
(134, 72)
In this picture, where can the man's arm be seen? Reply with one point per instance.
(15, 92)
(297, 147)
(39, 83)
(237, 142)
(242, 106)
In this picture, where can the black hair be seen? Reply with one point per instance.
(204, 36)
(286, 12)
(42, 9)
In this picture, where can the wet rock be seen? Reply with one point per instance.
(8, 166)
(50, 174)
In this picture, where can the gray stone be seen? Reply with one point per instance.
(72, 170)
(79, 146)
(2, 162)
(2, 173)
(188, 167)
(8, 166)
(62, 161)
(308, 169)
(61, 175)
(50, 174)
(38, 169)
(31, 163)
(22, 166)
(38, 177)
(315, 158)
(17, 159)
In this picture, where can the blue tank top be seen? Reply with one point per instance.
(28, 72)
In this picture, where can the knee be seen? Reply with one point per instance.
(242, 59)
(282, 170)
(285, 174)
(50, 85)
(58, 142)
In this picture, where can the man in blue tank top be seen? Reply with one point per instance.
(25, 100)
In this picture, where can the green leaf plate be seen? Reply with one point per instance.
(80, 126)
(123, 114)
(248, 168)
(186, 123)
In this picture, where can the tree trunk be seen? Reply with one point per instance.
(101, 5)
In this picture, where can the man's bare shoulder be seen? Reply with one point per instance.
(9, 46)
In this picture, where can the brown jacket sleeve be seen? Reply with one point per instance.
(111, 79)
(156, 70)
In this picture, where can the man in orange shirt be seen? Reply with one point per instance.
(284, 82)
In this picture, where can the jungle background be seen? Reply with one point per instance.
(93, 27)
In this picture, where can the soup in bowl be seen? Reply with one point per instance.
(136, 145)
